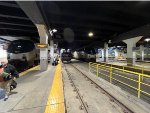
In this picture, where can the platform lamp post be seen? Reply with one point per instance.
(147, 45)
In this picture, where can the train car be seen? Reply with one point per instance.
(85, 55)
(22, 51)
(66, 56)
(90, 55)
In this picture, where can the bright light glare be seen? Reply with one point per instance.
(147, 39)
(3, 53)
(90, 34)
(54, 30)
(118, 46)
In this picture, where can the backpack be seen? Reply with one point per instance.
(6, 76)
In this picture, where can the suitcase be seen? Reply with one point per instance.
(13, 84)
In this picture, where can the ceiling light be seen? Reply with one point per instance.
(90, 34)
(147, 39)
(54, 30)
(118, 46)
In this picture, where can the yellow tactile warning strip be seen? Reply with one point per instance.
(27, 71)
(55, 103)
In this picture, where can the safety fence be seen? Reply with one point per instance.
(137, 80)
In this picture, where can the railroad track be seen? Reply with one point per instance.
(83, 105)
(124, 108)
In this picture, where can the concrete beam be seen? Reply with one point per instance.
(141, 31)
(131, 56)
(32, 11)
(16, 24)
(13, 29)
(9, 4)
(12, 16)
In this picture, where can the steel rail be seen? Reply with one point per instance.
(77, 91)
(124, 107)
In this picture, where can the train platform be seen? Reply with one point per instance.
(145, 65)
(37, 92)
(71, 88)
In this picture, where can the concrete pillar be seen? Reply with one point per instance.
(102, 52)
(52, 50)
(105, 52)
(131, 43)
(142, 52)
(43, 51)
(116, 54)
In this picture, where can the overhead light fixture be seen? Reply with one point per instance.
(118, 46)
(147, 39)
(52, 31)
(109, 41)
(90, 34)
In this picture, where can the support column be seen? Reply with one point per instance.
(131, 43)
(52, 50)
(105, 52)
(141, 52)
(102, 54)
(43, 51)
(116, 54)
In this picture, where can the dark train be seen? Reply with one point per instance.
(87, 54)
(22, 52)
(66, 56)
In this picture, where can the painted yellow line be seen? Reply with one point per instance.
(55, 103)
(27, 71)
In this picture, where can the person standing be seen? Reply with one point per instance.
(5, 81)
(8, 68)
(11, 70)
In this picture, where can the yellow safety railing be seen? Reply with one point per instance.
(141, 69)
(120, 75)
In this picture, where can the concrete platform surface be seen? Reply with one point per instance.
(31, 94)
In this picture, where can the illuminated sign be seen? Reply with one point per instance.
(41, 46)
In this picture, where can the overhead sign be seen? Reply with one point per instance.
(39, 46)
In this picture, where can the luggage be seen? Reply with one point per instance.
(54, 63)
(13, 85)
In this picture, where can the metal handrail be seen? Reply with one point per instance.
(110, 69)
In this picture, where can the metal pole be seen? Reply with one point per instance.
(139, 86)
